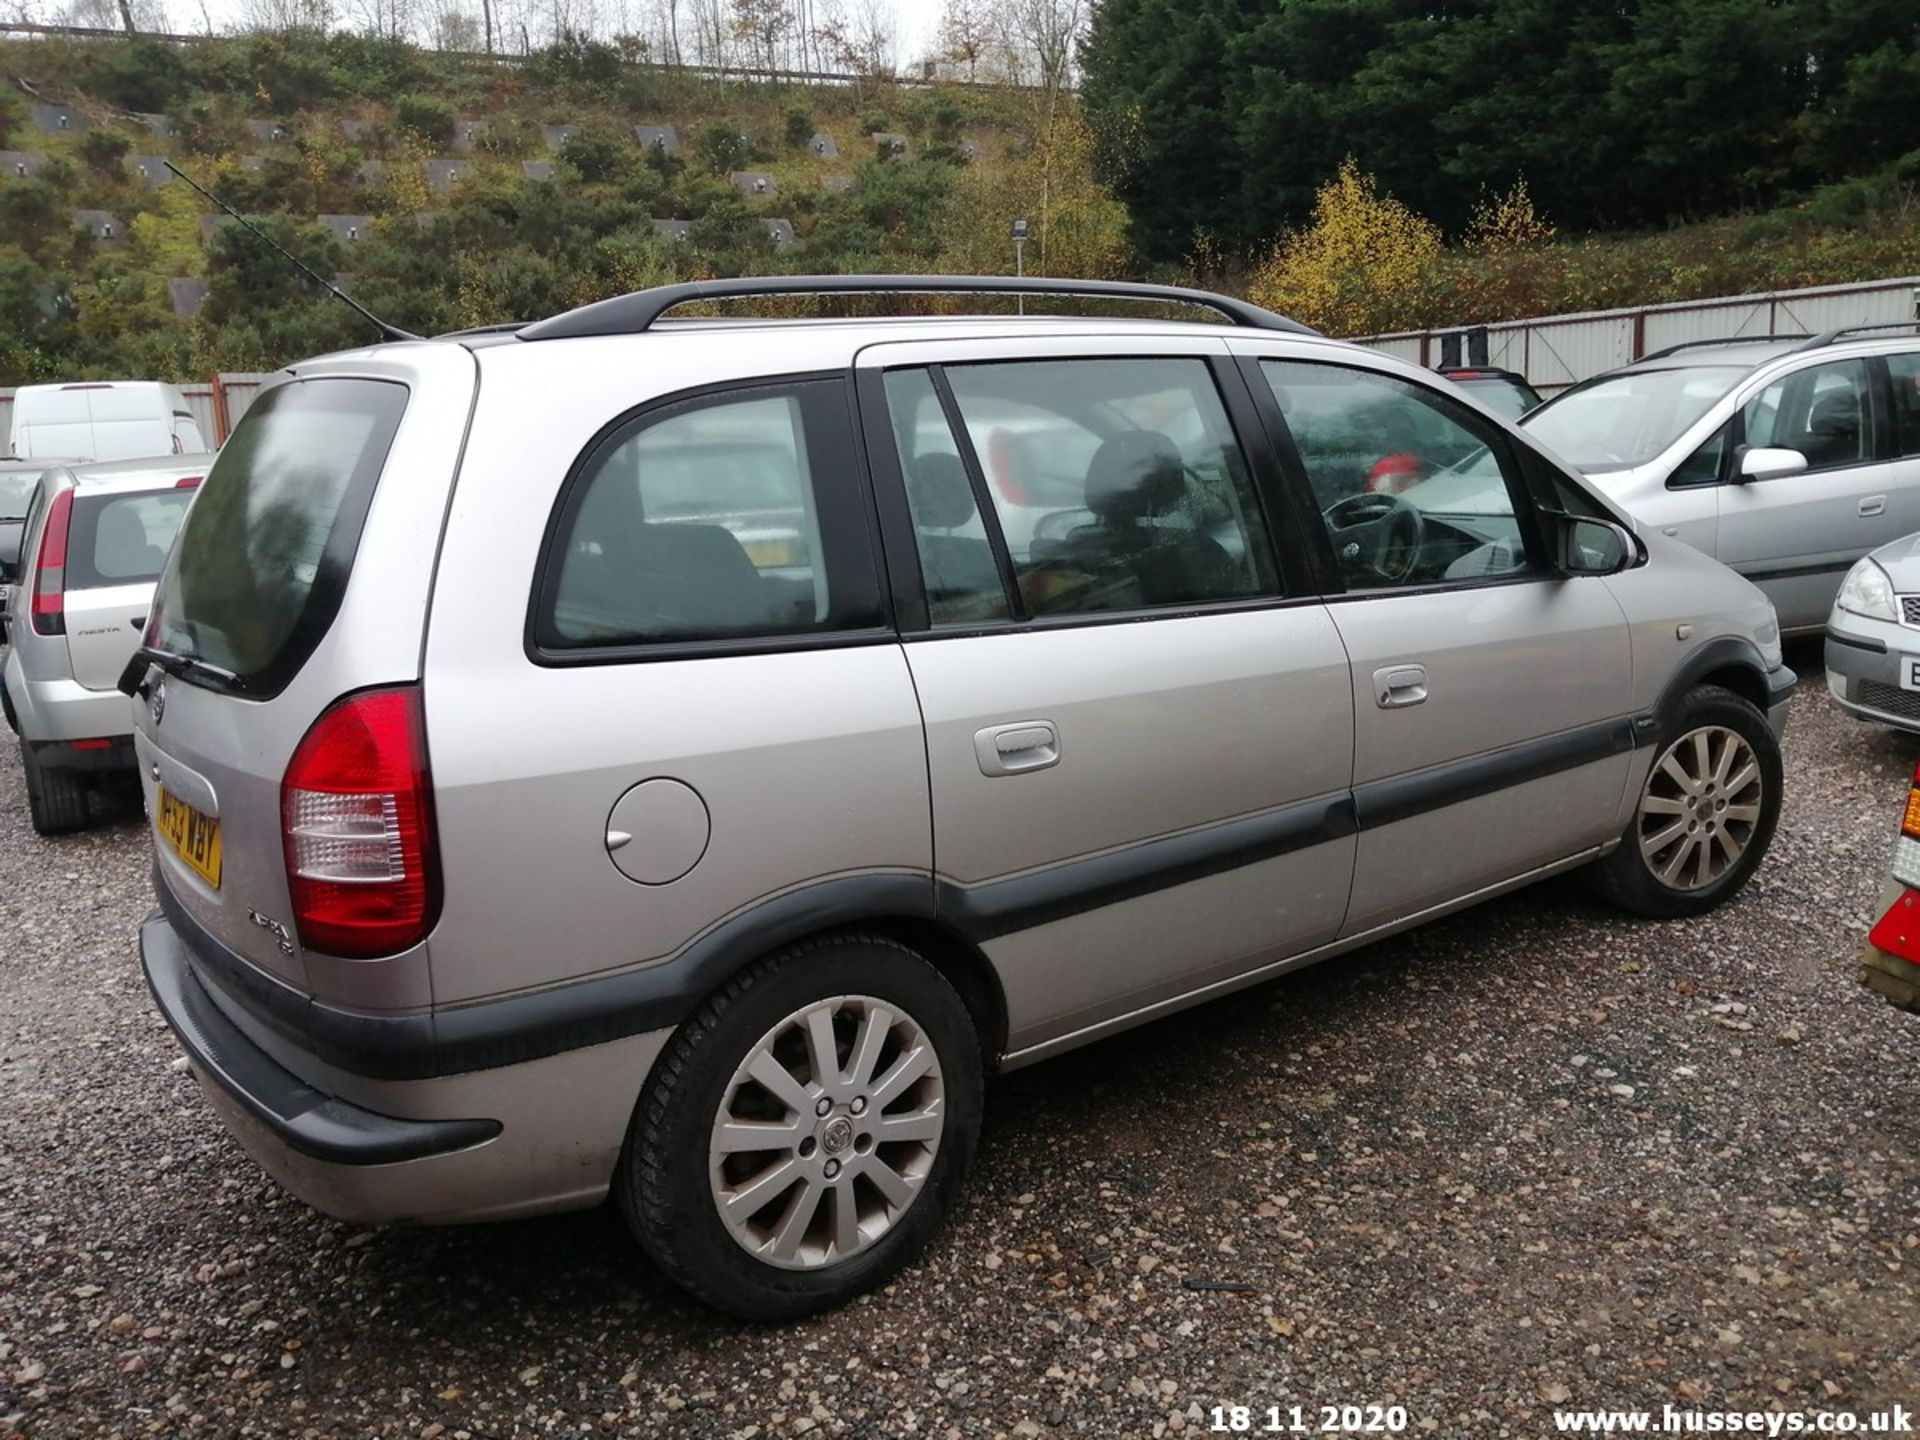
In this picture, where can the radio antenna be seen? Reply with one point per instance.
(387, 332)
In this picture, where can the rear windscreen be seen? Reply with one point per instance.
(260, 567)
(122, 539)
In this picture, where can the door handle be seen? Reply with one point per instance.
(1399, 685)
(1874, 505)
(1017, 748)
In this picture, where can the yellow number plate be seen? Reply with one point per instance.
(195, 838)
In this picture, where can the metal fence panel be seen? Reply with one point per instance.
(1555, 351)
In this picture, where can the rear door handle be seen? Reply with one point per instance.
(1874, 505)
(1017, 748)
(1400, 685)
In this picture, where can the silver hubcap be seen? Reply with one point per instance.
(1700, 808)
(827, 1132)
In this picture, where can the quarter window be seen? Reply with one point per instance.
(1409, 485)
(1116, 485)
(1824, 411)
(727, 518)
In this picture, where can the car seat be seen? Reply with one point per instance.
(957, 568)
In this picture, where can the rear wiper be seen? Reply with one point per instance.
(133, 679)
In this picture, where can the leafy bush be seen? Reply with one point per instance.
(427, 116)
(599, 153)
(799, 125)
(576, 59)
(105, 152)
(724, 147)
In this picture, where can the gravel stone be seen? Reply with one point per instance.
(1534, 1150)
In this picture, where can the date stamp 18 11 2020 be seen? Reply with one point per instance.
(1308, 1419)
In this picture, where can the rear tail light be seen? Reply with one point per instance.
(1906, 849)
(356, 813)
(1898, 931)
(49, 607)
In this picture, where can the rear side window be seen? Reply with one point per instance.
(263, 560)
(122, 539)
(726, 517)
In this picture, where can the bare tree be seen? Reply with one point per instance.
(966, 34)
(1042, 37)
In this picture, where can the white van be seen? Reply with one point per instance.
(103, 420)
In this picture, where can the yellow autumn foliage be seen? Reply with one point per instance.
(1502, 224)
(1361, 266)
(1077, 227)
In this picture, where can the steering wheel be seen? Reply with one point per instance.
(1379, 531)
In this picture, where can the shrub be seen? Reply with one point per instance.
(598, 153)
(1361, 265)
(427, 116)
(799, 126)
(723, 147)
(105, 151)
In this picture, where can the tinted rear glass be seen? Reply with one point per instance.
(260, 567)
(122, 539)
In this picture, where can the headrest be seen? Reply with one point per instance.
(1835, 413)
(1135, 474)
(942, 496)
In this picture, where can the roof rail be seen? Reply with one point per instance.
(635, 313)
(1831, 337)
(1722, 340)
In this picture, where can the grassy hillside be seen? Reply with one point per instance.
(292, 128)
(476, 213)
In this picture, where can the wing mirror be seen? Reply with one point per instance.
(1767, 462)
(1584, 545)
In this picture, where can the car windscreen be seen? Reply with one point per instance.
(1509, 399)
(122, 539)
(263, 560)
(1615, 422)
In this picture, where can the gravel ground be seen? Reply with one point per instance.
(1534, 1155)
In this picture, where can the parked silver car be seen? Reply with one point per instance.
(88, 554)
(1786, 457)
(17, 481)
(1873, 637)
(529, 828)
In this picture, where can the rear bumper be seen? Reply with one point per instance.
(64, 709)
(492, 1144)
(293, 1114)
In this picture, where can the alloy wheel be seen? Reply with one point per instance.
(826, 1132)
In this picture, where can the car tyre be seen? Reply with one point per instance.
(1705, 814)
(809, 1220)
(56, 798)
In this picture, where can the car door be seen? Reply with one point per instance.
(1490, 693)
(1138, 717)
(1795, 536)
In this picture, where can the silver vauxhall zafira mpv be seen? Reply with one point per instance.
(681, 759)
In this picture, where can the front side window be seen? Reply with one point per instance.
(1904, 371)
(1407, 483)
(1824, 411)
(713, 519)
(1116, 485)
